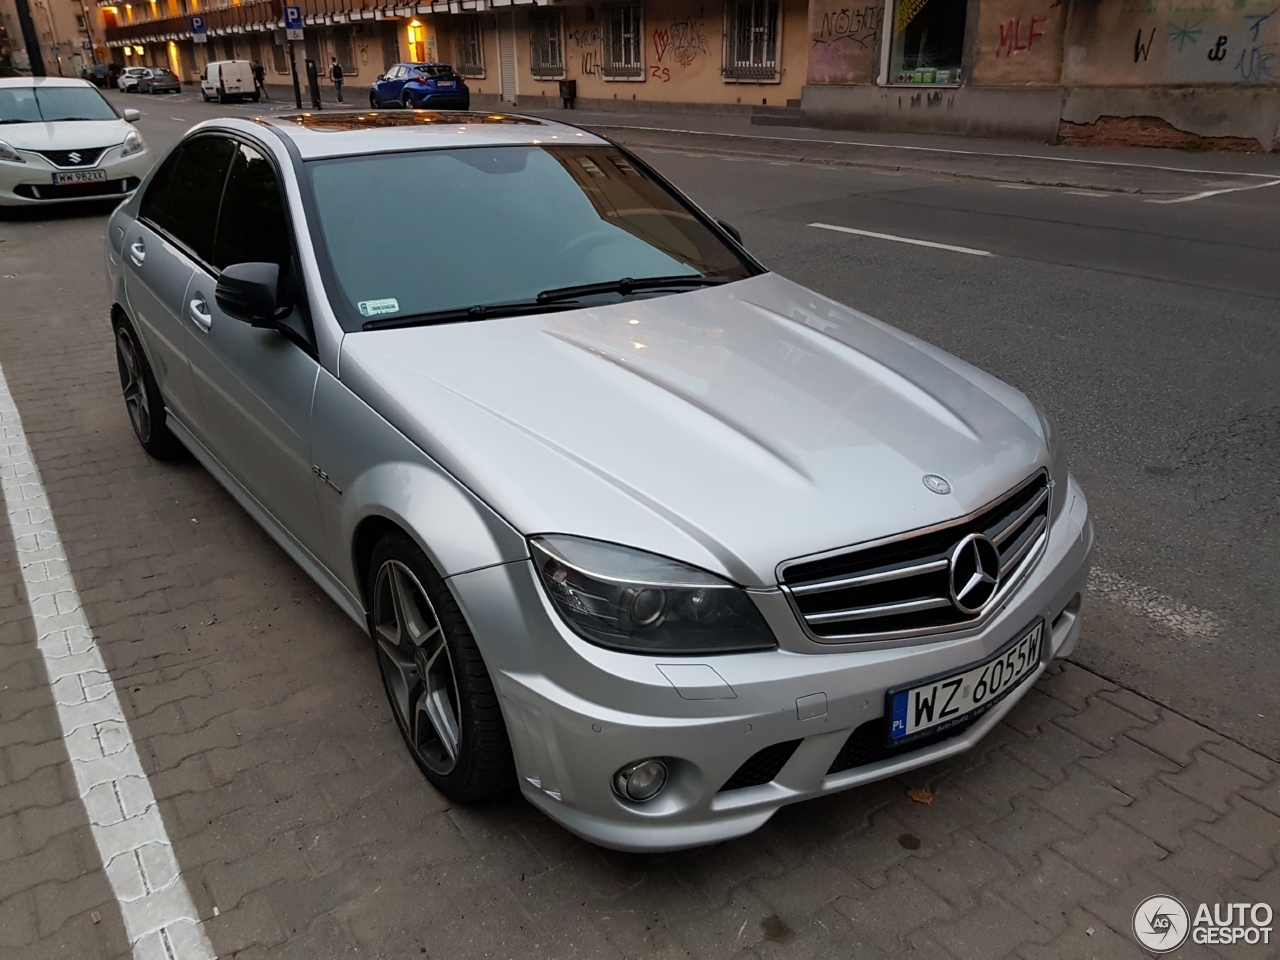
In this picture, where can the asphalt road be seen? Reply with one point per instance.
(1147, 330)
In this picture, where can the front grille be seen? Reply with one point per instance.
(762, 766)
(902, 587)
(74, 158)
(67, 191)
(866, 745)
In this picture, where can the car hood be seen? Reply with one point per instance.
(64, 134)
(731, 427)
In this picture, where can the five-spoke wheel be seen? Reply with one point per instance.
(142, 397)
(440, 692)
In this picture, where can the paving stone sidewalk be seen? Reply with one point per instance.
(303, 830)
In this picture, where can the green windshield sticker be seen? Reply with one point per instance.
(376, 308)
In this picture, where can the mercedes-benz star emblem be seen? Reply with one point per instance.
(936, 483)
(974, 573)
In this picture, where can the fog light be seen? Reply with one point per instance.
(640, 781)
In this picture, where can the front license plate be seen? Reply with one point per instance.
(931, 706)
(81, 176)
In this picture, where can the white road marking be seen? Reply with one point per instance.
(1087, 193)
(159, 917)
(1214, 193)
(1014, 186)
(1183, 618)
(910, 240)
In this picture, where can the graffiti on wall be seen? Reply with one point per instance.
(681, 41)
(1015, 40)
(587, 42)
(1244, 48)
(858, 25)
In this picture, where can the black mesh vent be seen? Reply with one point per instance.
(762, 766)
(74, 158)
(866, 745)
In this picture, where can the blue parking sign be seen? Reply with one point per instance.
(197, 30)
(293, 22)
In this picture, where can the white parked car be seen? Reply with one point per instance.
(129, 78)
(61, 140)
(226, 80)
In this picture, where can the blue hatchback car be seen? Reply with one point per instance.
(420, 86)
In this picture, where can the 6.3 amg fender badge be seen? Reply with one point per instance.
(936, 484)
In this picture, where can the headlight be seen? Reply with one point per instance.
(8, 153)
(1057, 458)
(643, 603)
(132, 144)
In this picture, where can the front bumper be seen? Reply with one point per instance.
(30, 184)
(576, 713)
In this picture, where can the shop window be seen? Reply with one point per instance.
(344, 50)
(546, 52)
(751, 40)
(228, 49)
(417, 36)
(280, 57)
(623, 41)
(468, 52)
(928, 41)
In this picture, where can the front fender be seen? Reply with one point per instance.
(371, 472)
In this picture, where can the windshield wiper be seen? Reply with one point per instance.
(627, 285)
(481, 311)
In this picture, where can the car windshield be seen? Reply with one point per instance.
(46, 103)
(430, 232)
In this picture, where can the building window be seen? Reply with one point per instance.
(751, 40)
(468, 52)
(928, 41)
(623, 41)
(344, 50)
(546, 52)
(280, 57)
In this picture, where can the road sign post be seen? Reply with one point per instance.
(293, 69)
(292, 32)
(198, 34)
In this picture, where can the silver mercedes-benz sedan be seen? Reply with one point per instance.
(658, 535)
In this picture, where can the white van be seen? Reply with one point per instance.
(226, 80)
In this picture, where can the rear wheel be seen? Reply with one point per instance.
(142, 397)
(436, 681)
(406, 101)
(222, 97)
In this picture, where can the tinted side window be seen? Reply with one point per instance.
(191, 208)
(155, 199)
(253, 226)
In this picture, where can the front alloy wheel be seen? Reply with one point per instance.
(417, 667)
(438, 686)
(142, 398)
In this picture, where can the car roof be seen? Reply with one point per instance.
(43, 82)
(351, 133)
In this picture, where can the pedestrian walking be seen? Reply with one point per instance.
(335, 74)
(260, 80)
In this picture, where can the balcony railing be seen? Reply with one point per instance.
(257, 13)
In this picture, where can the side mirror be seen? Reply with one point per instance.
(731, 231)
(381, 76)
(249, 292)
(132, 116)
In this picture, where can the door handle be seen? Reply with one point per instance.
(138, 252)
(200, 314)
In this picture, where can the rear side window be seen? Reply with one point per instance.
(189, 208)
(153, 201)
(253, 226)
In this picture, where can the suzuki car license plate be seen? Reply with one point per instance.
(931, 706)
(81, 176)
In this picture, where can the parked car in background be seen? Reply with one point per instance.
(159, 80)
(61, 140)
(101, 74)
(129, 77)
(423, 86)
(228, 80)
(658, 535)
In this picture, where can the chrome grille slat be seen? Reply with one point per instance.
(1027, 543)
(826, 586)
(900, 587)
(886, 610)
(1009, 528)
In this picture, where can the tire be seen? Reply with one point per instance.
(373, 102)
(142, 397)
(256, 97)
(451, 722)
(205, 95)
(222, 97)
(406, 102)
